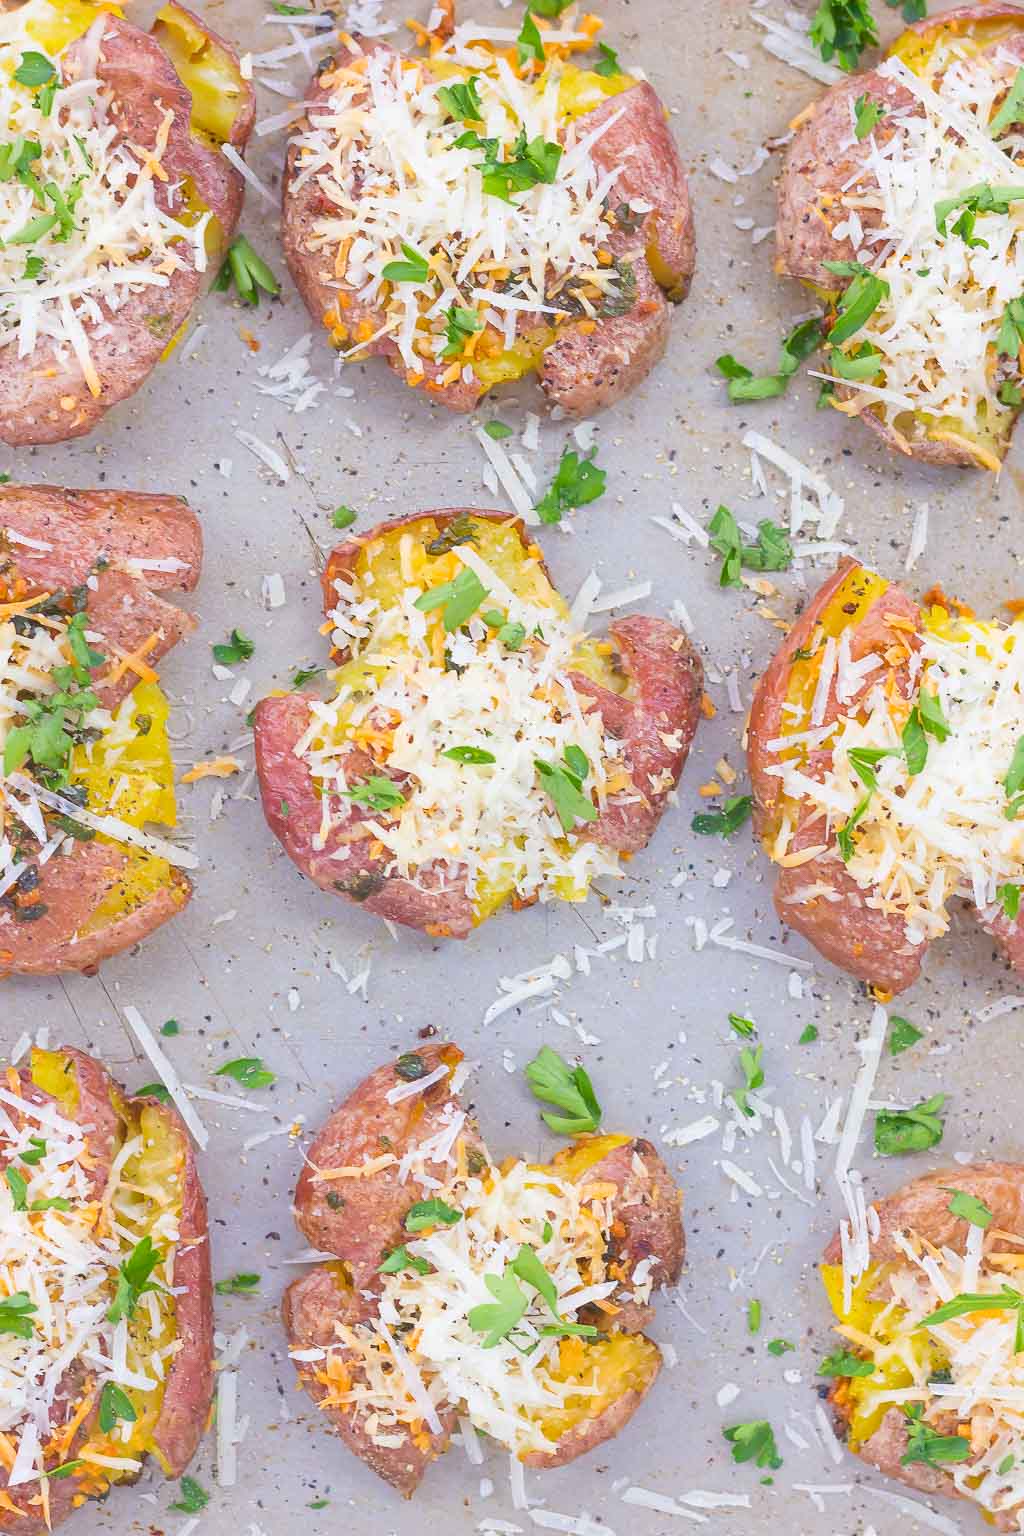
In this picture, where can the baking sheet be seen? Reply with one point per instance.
(258, 963)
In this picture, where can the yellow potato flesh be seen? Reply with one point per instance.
(607, 1368)
(583, 1155)
(861, 1393)
(56, 23)
(398, 559)
(154, 1182)
(207, 69)
(136, 784)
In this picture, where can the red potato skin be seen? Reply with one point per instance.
(666, 684)
(189, 1388)
(817, 165)
(923, 1206)
(649, 1212)
(582, 372)
(46, 400)
(85, 527)
(369, 1224)
(867, 943)
(312, 1305)
(647, 1219)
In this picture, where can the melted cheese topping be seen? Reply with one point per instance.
(91, 220)
(412, 692)
(384, 156)
(965, 1374)
(120, 764)
(66, 1261)
(422, 1354)
(942, 833)
(936, 330)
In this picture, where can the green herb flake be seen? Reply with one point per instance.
(16, 1314)
(430, 1213)
(754, 1441)
(460, 598)
(902, 1035)
(115, 1406)
(779, 1347)
(414, 269)
(743, 1027)
(808, 1035)
(248, 271)
(577, 482)
(399, 1259)
(238, 648)
(869, 114)
(133, 1280)
(497, 430)
(608, 64)
(772, 552)
(909, 1130)
(170, 1027)
(193, 1497)
(754, 1317)
(376, 793)
(249, 1071)
(238, 1285)
(342, 517)
(969, 1208)
(553, 1081)
(562, 782)
(735, 811)
(927, 1445)
(843, 1363)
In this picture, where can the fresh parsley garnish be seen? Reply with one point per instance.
(577, 482)
(743, 1027)
(248, 271)
(909, 1130)
(754, 1310)
(193, 1497)
(927, 1445)
(779, 1347)
(869, 114)
(608, 64)
(249, 1071)
(342, 517)
(553, 1081)
(772, 552)
(133, 1280)
(843, 1363)
(751, 1066)
(902, 1035)
(496, 430)
(1014, 781)
(842, 29)
(228, 653)
(430, 1213)
(238, 1285)
(1009, 899)
(735, 811)
(460, 598)
(400, 1258)
(980, 198)
(562, 782)
(114, 1406)
(529, 46)
(856, 304)
(414, 269)
(469, 755)
(18, 1186)
(797, 345)
(376, 793)
(754, 1441)
(1012, 109)
(16, 1314)
(808, 1035)
(460, 324)
(969, 1208)
(461, 101)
